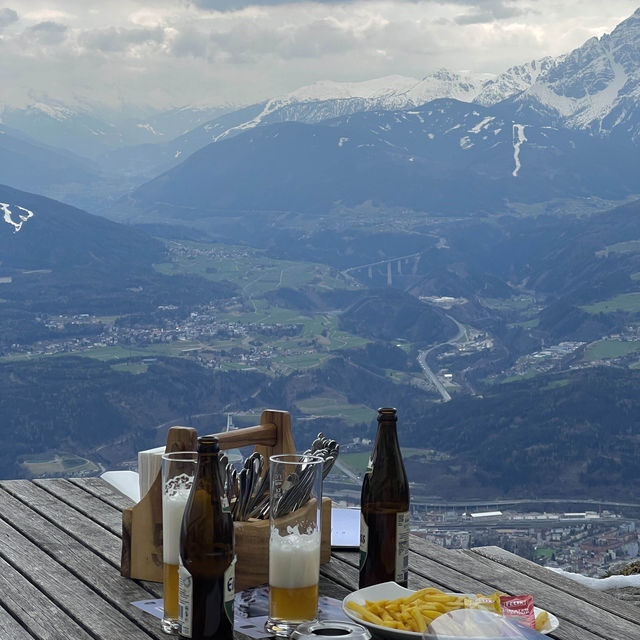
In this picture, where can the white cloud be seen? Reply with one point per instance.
(179, 51)
(119, 39)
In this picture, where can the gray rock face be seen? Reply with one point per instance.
(595, 87)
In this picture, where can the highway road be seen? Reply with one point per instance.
(428, 372)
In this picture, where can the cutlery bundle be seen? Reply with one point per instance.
(248, 490)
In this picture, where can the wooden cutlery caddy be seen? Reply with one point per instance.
(142, 524)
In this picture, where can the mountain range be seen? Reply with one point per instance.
(534, 126)
(91, 131)
(442, 158)
(527, 136)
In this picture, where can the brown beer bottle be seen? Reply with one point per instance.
(384, 509)
(206, 567)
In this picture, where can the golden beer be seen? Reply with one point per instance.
(170, 584)
(177, 477)
(294, 543)
(293, 605)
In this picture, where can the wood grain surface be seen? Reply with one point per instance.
(60, 548)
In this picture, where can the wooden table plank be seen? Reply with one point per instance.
(60, 549)
(85, 565)
(427, 572)
(86, 503)
(332, 589)
(41, 616)
(341, 573)
(87, 530)
(566, 606)
(105, 491)
(104, 542)
(526, 567)
(70, 594)
(11, 628)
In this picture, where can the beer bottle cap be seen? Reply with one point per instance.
(208, 444)
(387, 414)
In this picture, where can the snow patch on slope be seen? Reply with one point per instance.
(518, 139)
(16, 220)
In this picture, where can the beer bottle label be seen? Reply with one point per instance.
(364, 540)
(185, 600)
(402, 546)
(230, 589)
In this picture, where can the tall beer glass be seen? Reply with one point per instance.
(177, 477)
(294, 541)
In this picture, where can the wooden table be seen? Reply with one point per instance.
(60, 557)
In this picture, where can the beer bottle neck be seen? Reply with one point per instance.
(387, 436)
(386, 451)
(208, 467)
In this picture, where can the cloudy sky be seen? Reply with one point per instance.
(176, 52)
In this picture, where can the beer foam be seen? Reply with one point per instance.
(173, 505)
(294, 559)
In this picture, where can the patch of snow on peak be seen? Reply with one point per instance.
(147, 127)
(445, 84)
(564, 105)
(367, 89)
(513, 81)
(389, 92)
(597, 106)
(57, 112)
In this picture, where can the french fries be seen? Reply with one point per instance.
(542, 621)
(414, 612)
(418, 610)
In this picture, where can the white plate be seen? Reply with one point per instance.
(391, 591)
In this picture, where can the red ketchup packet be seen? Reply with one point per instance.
(519, 608)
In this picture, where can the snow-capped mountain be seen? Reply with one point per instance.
(513, 81)
(445, 157)
(72, 128)
(595, 87)
(309, 104)
(325, 100)
(91, 131)
(593, 90)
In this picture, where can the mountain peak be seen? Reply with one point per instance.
(366, 89)
(595, 86)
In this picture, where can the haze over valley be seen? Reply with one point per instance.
(463, 248)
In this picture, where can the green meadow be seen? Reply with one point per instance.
(58, 463)
(629, 302)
